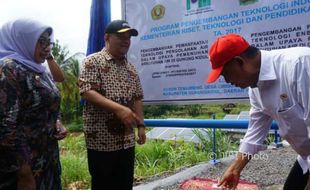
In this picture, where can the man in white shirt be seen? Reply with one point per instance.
(279, 82)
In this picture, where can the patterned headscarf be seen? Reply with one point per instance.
(18, 41)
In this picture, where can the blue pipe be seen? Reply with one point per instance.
(202, 123)
(276, 137)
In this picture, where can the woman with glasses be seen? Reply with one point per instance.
(29, 111)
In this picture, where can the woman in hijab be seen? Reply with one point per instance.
(29, 111)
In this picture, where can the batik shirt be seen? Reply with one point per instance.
(29, 105)
(117, 81)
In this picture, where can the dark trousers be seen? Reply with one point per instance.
(111, 170)
(296, 180)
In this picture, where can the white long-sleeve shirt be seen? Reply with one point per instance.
(283, 95)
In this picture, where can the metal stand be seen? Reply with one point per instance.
(214, 161)
(277, 140)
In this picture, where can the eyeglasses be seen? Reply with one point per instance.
(44, 42)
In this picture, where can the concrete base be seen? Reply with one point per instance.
(214, 162)
(278, 145)
(181, 176)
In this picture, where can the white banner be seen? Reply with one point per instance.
(171, 51)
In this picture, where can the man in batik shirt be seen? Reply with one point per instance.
(112, 90)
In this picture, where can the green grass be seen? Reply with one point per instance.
(74, 168)
(153, 158)
(74, 160)
(158, 156)
(74, 127)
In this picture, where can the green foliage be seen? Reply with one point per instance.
(223, 141)
(74, 168)
(76, 126)
(198, 111)
(155, 111)
(194, 110)
(73, 143)
(74, 160)
(158, 156)
(270, 139)
(149, 158)
(70, 104)
(153, 158)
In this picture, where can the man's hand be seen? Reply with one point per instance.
(230, 179)
(125, 114)
(128, 117)
(141, 135)
(25, 179)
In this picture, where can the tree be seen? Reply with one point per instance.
(70, 99)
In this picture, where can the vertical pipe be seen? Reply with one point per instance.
(276, 137)
(213, 161)
(213, 139)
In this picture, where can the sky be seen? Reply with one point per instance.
(69, 18)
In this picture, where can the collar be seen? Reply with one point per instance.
(109, 57)
(106, 54)
(267, 71)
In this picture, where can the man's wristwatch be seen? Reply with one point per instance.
(50, 57)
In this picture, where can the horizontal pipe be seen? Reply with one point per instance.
(201, 123)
